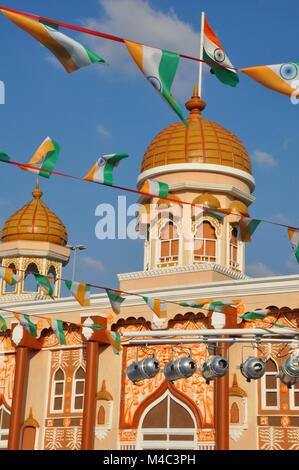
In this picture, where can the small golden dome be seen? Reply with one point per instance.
(202, 141)
(35, 221)
(207, 199)
(239, 207)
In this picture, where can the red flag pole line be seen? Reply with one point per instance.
(28, 167)
(110, 37)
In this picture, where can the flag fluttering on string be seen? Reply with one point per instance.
(159, 67)
(26, 323)
(214, 53)
(214, 213)
(278, 77)
(57, 327)
(256, 315)
(114, 339)
(71, 54)
(156, 188)
(247, 229)
(3, 325)
(157, 306)
(196, 303)
(45, 158)
(80, 291)
(115, 300)
(4, 157)
(102, 171)
(8, 275)
(44, 283)
(294, 239)
(222, 305)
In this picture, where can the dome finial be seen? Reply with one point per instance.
(37, 193)
(195, 105)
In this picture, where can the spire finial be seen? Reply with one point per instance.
(37, 193)
(195, 105)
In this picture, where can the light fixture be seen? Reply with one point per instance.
(289, 371)
(213, 368)
(253, 368)
(182, 368)
(145, 369)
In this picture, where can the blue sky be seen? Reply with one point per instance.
(108, 109)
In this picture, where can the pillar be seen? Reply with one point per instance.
(90, 395)
(222, 405)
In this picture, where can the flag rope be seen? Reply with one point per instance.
(26, 166)
(100, 34)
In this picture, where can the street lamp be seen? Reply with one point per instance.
(75, 248)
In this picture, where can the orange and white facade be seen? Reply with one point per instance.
(77, 395)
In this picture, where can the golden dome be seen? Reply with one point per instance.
(202, 141)
(207, 199)
(239, 207)
(35, 221)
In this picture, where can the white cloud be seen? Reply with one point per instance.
(259, 270)
(264, 159)
(137, 20)
(97, 265)
(102, 131)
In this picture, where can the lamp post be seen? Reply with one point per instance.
(75, 248)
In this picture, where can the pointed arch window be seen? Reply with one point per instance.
(52, 273)
(169, 239)
(30, 284)
(4, 427)
(58, 389)
(270, 386)
(78, 389)
(11, 289)
(205, 240)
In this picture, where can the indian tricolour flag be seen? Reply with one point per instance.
(115, 300)
(102, 171)
(9, 276)
(214, 54)
(247, 229)
(44, 159)
(279, 77)
(57, 327)
(3, 325)
(294, 239)
(221, 305)
(26, 323)
(71, 54)
(44, 283)
(159, 68)
(114, 339)
(157, 306)
(196, 303)
(155, 188)
(80, 291)
(255, 315)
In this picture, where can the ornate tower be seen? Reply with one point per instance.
(33, 240)
(204, 164)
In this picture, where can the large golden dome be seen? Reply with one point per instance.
(202, 141)
(35, 221)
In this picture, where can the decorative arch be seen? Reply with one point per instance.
(270, 385)
(7, 288)
(78, 386)
(30, 284)
(166, 385)
(58, 391)
(205, 241)
(170, 243)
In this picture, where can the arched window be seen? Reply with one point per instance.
(78, 389)
(294, 396)
(233, 248)
(270, 386)
(30, 284)
(52, 274)
(169, 239)
(234, 414)
(4, 427)
(205, 243)
(101, 415)
(58, 389)
(8, 288)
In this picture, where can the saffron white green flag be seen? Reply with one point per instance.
(102, 171)
(159, 68)
(26, 323)
(114, 339)
(196, 303)
(157, 306)
(155, 188)
(71, 54)
(115, 300)
(3, 325)
(44, 283)
(221, 305)
(279, 77)
(214, 53)
(45, 158)
(8, 275)
(80, 291)
(247, 229)
(57, 327)
(294, 239)
(256, 315)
